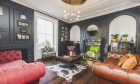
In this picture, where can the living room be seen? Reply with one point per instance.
(69, 42)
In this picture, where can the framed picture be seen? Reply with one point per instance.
(27, 37)
(23, 17)
(19, 36)
(23, 37)
(23, 30)
(26, 24)
(62, 27)
(23, 24)
(62, 39)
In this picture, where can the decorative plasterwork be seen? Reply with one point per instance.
(90, 9)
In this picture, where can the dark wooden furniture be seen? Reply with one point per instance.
(69, 60)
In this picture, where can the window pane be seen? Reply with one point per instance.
(40, 39)
(49, 27)
(45, 32)
(50, 39)
(40, 25)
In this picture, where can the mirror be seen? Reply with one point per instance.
(92, 30)
(75, 33)
(124, 24)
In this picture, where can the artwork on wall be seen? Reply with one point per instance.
(23, 24)
(23, 30)
(23, 37)
(64, 33)
(23, 17)
(19, 36)
(27, 37)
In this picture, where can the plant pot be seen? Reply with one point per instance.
(114, 40)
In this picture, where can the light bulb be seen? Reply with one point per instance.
(68, 13)
(78, 11)
(78, 16)
(65, 11)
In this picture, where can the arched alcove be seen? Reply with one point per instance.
(124, 24)
(75, 33)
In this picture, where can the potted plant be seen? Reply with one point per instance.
(114, 37)
(47, 46)
(124, 37)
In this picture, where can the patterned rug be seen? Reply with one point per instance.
(63, 71)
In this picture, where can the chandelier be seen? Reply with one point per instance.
(71, 13)
(74, 2)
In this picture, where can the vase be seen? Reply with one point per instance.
(114, 40)
(71, 53)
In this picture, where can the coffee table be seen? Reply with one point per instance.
(68, 60)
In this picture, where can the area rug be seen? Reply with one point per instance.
(63, 71)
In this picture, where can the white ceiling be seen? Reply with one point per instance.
(90, 9)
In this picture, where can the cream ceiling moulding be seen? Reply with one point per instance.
(107, 11)
(39, 10)
(87, 16)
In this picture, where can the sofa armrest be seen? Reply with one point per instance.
(111, 72)
(22, 75)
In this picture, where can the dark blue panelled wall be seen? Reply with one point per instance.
(8, 21)
(103, 23)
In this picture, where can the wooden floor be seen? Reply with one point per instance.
(85, 77)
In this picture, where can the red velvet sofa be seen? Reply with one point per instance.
(13, 70)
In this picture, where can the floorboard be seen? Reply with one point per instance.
(50, 77)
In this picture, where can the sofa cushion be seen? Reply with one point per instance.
(123, 59)
(130, 63)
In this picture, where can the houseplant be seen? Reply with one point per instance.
(47, 46)
(114, 37)
(124, 37)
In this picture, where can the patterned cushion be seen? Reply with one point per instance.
(9, 56)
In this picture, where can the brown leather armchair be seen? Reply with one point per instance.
(109, 73)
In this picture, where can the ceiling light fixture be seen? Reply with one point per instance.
(74, 2)
(71, 13)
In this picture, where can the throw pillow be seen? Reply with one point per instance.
(90, 54)
(123, 59)
(130, 63)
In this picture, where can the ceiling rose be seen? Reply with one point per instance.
(74, 2)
